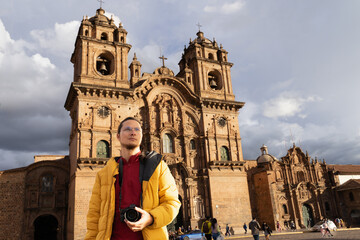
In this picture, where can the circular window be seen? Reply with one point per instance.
(221, 122)
(104, 63)
(103, 111)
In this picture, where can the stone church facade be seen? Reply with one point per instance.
(295, 188)
(190, 117)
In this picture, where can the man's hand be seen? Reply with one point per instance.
(145, 220)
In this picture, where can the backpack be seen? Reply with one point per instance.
(206, 228)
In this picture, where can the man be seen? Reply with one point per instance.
(206, 228)
(255, 228)
(227, 230)
(131, 179)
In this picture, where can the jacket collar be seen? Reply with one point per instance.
(113, 167)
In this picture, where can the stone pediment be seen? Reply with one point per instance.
(349, 185)
(174, 86)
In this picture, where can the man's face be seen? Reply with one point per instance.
(130, 135)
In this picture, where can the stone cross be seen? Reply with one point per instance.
(199, 26)
(163, 60)
(101, 2)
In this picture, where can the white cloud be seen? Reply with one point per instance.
(58, 40)
(288, 104)
(116, 19)
(232, 7)
(42, 62)
(5, 38)
(226, 8)
(247, 116)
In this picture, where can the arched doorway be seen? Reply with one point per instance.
(45, 228)
(307, 213)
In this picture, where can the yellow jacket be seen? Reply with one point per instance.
(160, 199)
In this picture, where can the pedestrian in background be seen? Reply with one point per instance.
(206, 229)
(255, 228)
(267, 230)
(215, 230)
(278, 226)
(245, 228)
(227, 230)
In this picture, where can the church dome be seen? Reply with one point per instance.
(201, 39)
(100, 18)
(265, 156)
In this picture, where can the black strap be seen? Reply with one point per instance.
(120, 168)
(141, 175)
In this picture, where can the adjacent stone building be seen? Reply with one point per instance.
(294, 188)
(33, 199)
(190, 117)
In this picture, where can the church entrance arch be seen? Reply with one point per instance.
(307, 213)
(46, 227)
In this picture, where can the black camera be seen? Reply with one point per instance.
(130, 214)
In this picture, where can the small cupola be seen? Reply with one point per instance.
(135, 71)
(265, 156)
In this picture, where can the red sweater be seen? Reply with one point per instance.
(130, 194)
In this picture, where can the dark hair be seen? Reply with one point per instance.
(127, 119)
(213, 221)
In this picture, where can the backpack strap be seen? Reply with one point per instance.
(148, 164)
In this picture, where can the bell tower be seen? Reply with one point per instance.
(101, 52)
(210, 69)
(97, 100)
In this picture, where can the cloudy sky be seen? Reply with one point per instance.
(296, 65)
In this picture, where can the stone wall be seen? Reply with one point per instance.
(230, 200)
(12, 192)
(85, 179)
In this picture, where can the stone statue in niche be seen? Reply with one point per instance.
(87, 121)
(295, 157)
(199, 207)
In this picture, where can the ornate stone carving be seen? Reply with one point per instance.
(87, 121)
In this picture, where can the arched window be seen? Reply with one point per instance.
(102, 149)
(104, 36)
(224, 153)
(86, 32)
(214, 80)
(104, 63)
(285, 209)
(168, 143)
(47, 183)
(136, 73)
(351, 196)
(211, 56)
(192, 144)
(122, 39)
